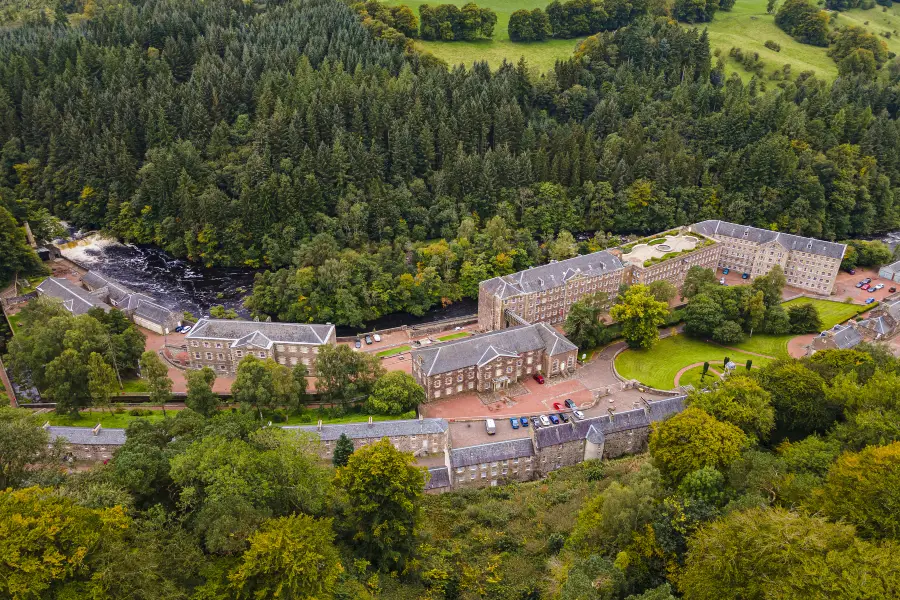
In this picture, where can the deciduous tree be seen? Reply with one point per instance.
(395, 393)
(200, 396)
(157, 376)
(640, 316)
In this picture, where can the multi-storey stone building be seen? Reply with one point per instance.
(86, 443)
(808, 263)
(221, 343)
(667, 257)
(492, 361)
(545, 294)
(74, 299)
(492, 464)
(419, 436)
(142, 309)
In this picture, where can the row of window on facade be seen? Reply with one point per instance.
(279, 347)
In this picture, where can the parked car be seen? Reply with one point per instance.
(879, 286)
(867, 280)
(376, 337)
(860, 284)
(179, 328)
(545, 421)
(865, 287)
(536, 422)
(187, 329)
(557, 406)
(563, 417)
(514, 422)
(892, 289)
(726, 271)
(745, 275)
(870, 300)
(851, 271)
(554, 419)
(524, 421)
(490, 426)
(571, 404)
(357, 344)
(368, 340)
(722, 281)
(578, 414)
(872, 290)
(538, 377)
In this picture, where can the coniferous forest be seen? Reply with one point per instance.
(368, 178)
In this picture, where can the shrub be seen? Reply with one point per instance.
(771, 45)
(594, 469)
(529, 26)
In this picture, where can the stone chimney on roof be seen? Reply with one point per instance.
(319, 426)
(421, 417)
(370, 421)
(96, 430)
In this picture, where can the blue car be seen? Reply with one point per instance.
(524, 421)
(554, 419)
(514, 422)
(870, 300)
(745, 276)
(726, 271)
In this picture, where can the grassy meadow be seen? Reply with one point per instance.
(539, 55)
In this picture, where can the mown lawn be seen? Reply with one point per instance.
(310, 418)
(830, 312)
(454, 336)
(392, 351)
(540, 55)
(692, 377)
(658, 366)
(770, 345)
(134, 385)
(113, 420)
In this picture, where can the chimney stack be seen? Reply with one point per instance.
(46, 426)
(96, 430)
(370, 421)
(319, 426)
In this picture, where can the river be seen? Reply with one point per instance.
(182, 285)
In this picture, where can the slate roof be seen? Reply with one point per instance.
(154, 312)
(660, 410)
(125, 299)
(845, 336)
(85, 436)
(580, 430)
(552, 275)
(249, 332)
(893, 267)
(440, 477)
(478, 350)
(378, 429)
(75, 299)
(94, 279)
(879, 325)
(786, 240)
(488, 453)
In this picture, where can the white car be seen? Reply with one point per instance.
(187, 329)
(578, 414)
(879, 286)
(545, 421)
(376, 337)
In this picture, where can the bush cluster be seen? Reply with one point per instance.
(448, 22)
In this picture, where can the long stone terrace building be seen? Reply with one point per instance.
(492, 361)
(545, 293)
(419, 436)
(667, 257)
(492, 464)
(221, 343)
(90, 444)
(142, 309)
(75, 299)
(808, 263)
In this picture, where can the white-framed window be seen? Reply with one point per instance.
(262, 354)
(292, 349)
(218, 344)
(206, 344)
(197, 355)
(280, 347)
(239, 353)
(220, 356)
(209, 356)
(304, 349)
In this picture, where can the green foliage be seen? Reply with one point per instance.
(583, 325)
(384, 492)
(219, 312)
(529, 25)
(798, 396)
(342, 374)
(692, 440)
(864, 489)
(640, 316)
(804, 318)
(705, 485)
(741, 401)
(448, 22)
(289, 558)
(695, 11)
(803, 21)
(773, 553)
(696, 279)
(156, 373)
(860, 253)
(844, 42)
(24, 447)
(343, 448)
(200, 396)
(17, 256)
(728, 333)
(263, 383)
(394, 394)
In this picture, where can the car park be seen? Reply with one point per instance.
(545, 421)
(357, 344)
(870, 300)
(563, 417)
(368, 340)
(571, 404)
(524, 421)
(554, 419)
(578, 414)
(538, 377)
(514, 422)
(376, 337)
(536, 422)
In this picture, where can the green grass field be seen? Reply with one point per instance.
(658, 366)
(770, 345)
(539, 55)
(392, 351)
(454, 336)
(830, 312)
(692, 377)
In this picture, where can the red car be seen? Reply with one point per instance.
(538, 377)
(865, 287)
(557, 406)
